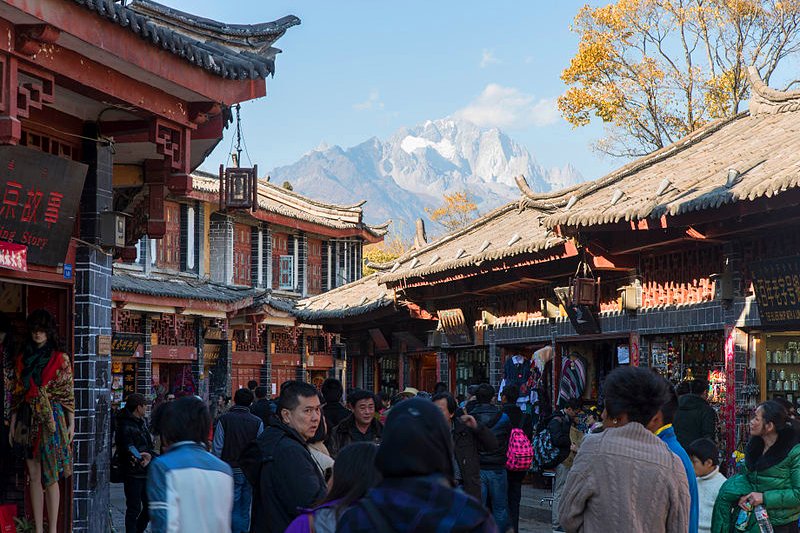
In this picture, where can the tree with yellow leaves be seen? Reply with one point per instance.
(457, 211)
(383, 252)
(656, 70)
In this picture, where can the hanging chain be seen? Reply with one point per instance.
(238, 136)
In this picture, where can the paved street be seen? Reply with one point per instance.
(535, 518)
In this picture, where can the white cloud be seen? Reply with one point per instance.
(508, 107)
(488, 58)
(373, 102)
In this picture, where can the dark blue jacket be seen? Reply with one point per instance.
(500, 425)
(669, 438)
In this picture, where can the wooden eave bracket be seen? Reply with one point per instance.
(30, 38)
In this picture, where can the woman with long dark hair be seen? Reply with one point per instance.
(43, 415)
(354, 473)
(770, 477)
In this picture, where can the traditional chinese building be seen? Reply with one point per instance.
(684, 261)
(203, 310)
(105, 109)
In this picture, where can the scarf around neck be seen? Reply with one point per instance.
(34, 361)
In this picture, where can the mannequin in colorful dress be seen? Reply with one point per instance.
(43, 415)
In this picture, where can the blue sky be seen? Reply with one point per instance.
(357, 69)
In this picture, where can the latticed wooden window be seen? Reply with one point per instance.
(286, 272)
(168, 249)
(314, 262)
(242, 258)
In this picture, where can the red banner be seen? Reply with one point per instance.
(14, 256)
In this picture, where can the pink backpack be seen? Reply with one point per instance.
(519, 456)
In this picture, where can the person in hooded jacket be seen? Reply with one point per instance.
(494, 479)
(770, 477)
(279, 465)
(416, 494)
(132, 431)
(695, 418)
(469, 438)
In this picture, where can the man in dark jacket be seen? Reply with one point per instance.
(695, 418)
(132, 431)
(469, 438)
(416, 494)
(278, 464)
(263, 407)
(234, 431)
(333, 409)
(523, 421)
(360, 426)
(494, 481)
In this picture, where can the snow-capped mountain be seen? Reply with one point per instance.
(413, 169)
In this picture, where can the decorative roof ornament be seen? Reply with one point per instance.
(414, 263)
(766, 100)
(460, 253)
(395, 267)
(484, 246)
(434, 259)
(514, 239)
(663, 186)
(363, 300)
(733, 177)
(571, 202)
(617, 196)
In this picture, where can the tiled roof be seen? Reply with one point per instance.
(275, 199)
(231, 51)
(174, 287)
(750, 156)
(354, 299)
(505, 232)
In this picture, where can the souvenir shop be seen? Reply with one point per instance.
(173, 350)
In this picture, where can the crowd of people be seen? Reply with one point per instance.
(309, 461)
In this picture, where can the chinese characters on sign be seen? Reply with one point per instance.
(39, 197)
(777, 287)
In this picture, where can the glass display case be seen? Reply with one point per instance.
(472, 368)
(783, 365)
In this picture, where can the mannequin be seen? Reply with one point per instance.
(43, 415)
(517, 372)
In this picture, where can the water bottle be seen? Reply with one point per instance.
(763, 519)
(742, 520)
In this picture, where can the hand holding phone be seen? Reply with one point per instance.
(135, 453)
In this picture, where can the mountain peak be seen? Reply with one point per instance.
(417, 165)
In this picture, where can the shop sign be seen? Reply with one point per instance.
(39, 200)
(178, 353)
(455, 327)
(103, 344)
(128, 379)
(777, 287)
(581, 316)
(14, 256)
(126, 346)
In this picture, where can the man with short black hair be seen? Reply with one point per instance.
(360, 426)
(279, 465)
(189, 489)
(132, 432)
(263, 407)
(333, 409)
(494, 481)
(234, 431)
(252, 384)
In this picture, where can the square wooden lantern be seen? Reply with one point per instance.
(238, 187)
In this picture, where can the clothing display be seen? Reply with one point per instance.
(43, 397)
(573, 378)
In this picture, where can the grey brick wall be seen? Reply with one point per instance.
(91, 496)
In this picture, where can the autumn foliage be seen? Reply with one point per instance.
(456, 211)
(656, 70)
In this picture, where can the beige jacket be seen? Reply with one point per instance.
(625, 480)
